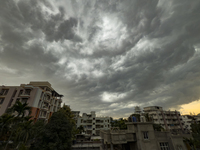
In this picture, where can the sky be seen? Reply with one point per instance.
(106, 56)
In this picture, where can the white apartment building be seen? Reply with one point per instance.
(188, 120)
(169, 120)
(91, 123)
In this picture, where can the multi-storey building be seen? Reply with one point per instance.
(188, 120)
(40, 96)
(169, 120)
(91, 123)
(141, 136)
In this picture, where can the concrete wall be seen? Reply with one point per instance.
(177, 141)
(7, 98)
(145, 144)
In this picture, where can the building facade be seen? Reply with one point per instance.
(40, 96)
(188, 120)
(91, 123)
(141, 136)
(169, 120)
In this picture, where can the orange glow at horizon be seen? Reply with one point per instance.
(193, 107)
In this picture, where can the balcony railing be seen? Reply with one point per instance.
(42, 116)
(44, 108)
(99, 121)
(25, 95)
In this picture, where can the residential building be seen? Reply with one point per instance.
(169, 120)
(40, 96)
(137, 110)
(91, 123)
(197, 118)
(141, 136)
(188, 120)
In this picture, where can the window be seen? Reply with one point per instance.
(164, 146)
(145, 135)
(1, 100)
(6, 92)
(20, 92)
(2, 91)
(27, 92)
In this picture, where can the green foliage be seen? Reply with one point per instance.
(57, 134)
(20, 108)
(67, 111)
(22, 146)
(148, 117)
(70, 116)
(5, 123)
(80, 129)
(196, 134)
(119, 123)
(190, 143)
(26, 130)
(137, 116)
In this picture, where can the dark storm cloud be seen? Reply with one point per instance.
(106, 55)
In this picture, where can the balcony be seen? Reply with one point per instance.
(99, 127)
(28, 87)
(46, 100)
(99, 122)
(42, 117)
(48, 92)
(44, 108)
(25, 95)
(117, 136)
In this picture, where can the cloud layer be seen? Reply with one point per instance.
(104, 55)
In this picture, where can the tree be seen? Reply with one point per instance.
(137, 116)
(80, 129)
(57, 134)
(67, 111)
(5, 122)
(196, 134)
(20, 108)
(26, 131)
(121, 123)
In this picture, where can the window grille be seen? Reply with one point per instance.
(164, 146)
(145, 135)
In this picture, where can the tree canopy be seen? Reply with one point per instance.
(119, 123)
(57, 133)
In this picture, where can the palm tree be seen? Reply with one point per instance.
(12, 128)
(20, 108)
(5, 122)
(26, 131)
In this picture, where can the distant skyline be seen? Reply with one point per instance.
(106, 56)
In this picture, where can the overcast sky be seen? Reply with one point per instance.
(106, 56)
